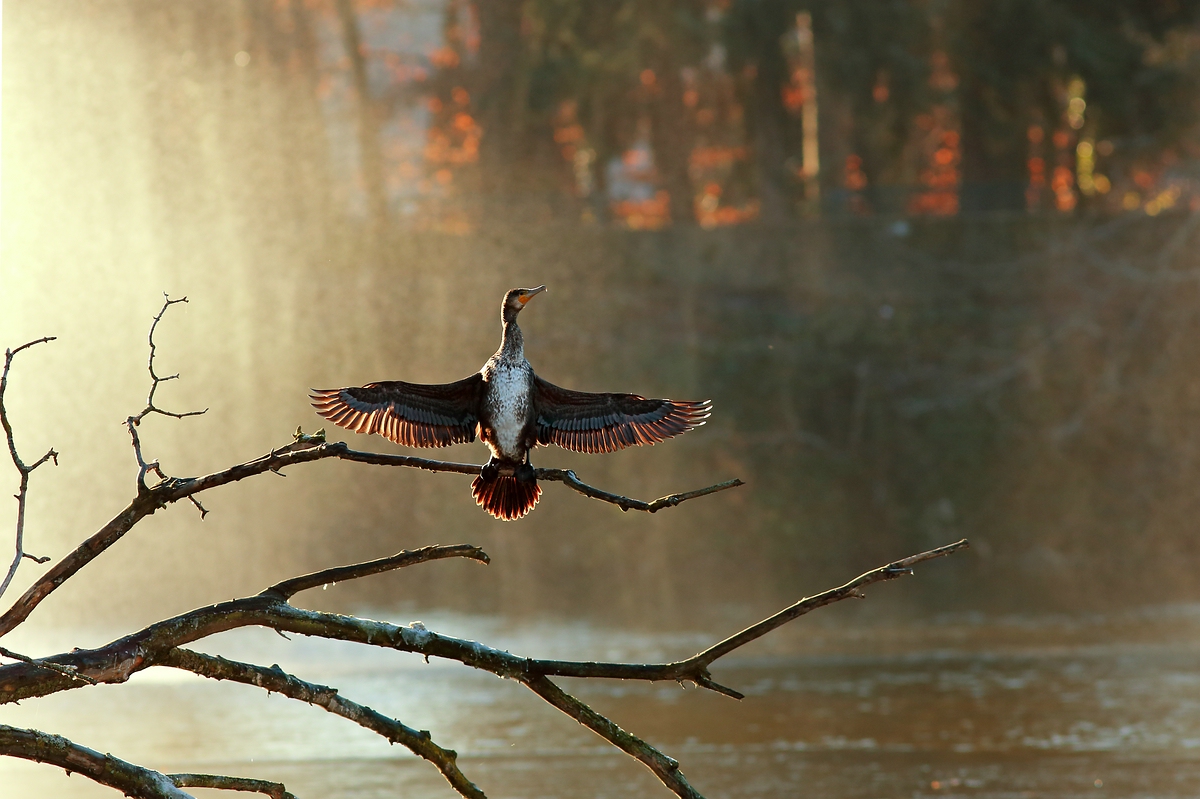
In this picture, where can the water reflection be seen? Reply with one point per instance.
(997, 707)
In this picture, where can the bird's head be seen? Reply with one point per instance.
(515, 300)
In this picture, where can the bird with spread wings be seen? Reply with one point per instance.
(511, 410)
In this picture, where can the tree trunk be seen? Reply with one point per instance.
(499, 96)
(993, 167)
(370, 152)
(673, 139)
(760, 26)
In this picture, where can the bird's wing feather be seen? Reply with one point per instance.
(412, 414)
(585, 422)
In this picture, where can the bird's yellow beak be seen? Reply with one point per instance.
(528, 295)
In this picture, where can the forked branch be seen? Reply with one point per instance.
(159, 645)
(132, 780)
(132, 422)
(22, 468)
(278, 681)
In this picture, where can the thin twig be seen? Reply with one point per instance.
(275, 790)
(278, 681)
(852, 589)
(23, 469)
(132, 422)
(289, 588)
(568, 478)
(695, 668)
(68, 671)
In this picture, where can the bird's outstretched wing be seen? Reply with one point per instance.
(584, 422)
(412, 414)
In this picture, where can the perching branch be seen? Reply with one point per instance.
(568, 478)
(23, 469)
(305, 449)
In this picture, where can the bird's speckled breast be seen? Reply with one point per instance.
(509, 386)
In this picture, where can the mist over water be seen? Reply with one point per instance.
(884, 386)
(875, 408)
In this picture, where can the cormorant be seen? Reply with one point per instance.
(512, 410)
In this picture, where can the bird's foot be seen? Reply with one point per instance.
(490, 471)
(525, 473)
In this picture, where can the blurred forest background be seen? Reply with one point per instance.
(934, 261)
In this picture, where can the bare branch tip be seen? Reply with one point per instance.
(705, 681)
(9, 353)
(203, 510)
(49, 456)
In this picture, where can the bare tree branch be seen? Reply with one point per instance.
(278, 681)
(116, 661)
(66, 670)
(568, 478)
(158, 645)
(275, 790)
(288, 588)
(132, 422)
(695, 668)
(665, 768)
(155, 379)
(22, 468)
(852, 589)
(304, 450)
(133, 780)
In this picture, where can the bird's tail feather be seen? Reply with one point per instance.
(506, 497)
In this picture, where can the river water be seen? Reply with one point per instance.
(971, 706)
